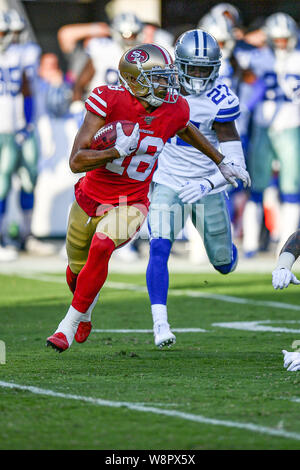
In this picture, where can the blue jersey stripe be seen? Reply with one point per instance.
(223, 112)
(228, 118)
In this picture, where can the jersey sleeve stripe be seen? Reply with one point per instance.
(228, 111)
(100, 100)
(95, 108)
(228, 118)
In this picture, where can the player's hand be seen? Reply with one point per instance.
(282, 277)
(192, 191)
(126, 144)
(291, 360)
(232, 171)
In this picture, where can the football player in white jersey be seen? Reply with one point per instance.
(282, 277)
(188, 185)
(276, 129)
(26, 55)
(103, 53)
(14, 88)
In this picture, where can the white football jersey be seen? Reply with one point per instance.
(105, 55)
(279, 107)
(179, 161)
(11, 98)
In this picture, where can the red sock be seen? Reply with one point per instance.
(71, 279)
(94, 273)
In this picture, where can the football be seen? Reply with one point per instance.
(105, 138)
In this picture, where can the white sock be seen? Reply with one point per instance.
(68, 326)
(88, 313)
(159, 313)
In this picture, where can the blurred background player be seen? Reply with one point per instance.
(185, 176)
(103, 45)
(22, 57)
(276, 130)
(18, 153)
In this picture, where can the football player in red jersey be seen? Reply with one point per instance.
(111, 199)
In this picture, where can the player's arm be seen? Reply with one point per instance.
(230, 143)
(83, 158)
(191, 135)
(282, 275)
(83, 79)
(69, 35)
(229, 169)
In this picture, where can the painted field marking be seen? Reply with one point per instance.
(278, 432)
(174, 292)
(259, 326)
(176, 330)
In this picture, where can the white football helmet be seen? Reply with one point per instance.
(141, 68)
(126, 28)
(229, 11)
(5, 37)
(221, 29)
(281, 26)
(197, 48)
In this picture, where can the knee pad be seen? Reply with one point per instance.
(228, 268)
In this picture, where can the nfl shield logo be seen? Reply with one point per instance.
(149, 119)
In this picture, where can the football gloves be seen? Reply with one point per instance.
(282, 277)
(192, 191)
(231, 172)
(291, 360)
(126, 144)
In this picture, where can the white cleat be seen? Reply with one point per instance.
(163, 336)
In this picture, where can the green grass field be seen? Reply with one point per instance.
(222, 388)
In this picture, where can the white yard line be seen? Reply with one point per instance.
(176, 330)
(174, 292)
(158, 411)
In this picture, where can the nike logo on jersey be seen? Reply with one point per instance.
(231, 101)
(99, 91)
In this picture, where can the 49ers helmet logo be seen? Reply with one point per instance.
(137, 55)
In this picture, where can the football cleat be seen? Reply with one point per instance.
(163, 336)
(83, 331)
(58, 341)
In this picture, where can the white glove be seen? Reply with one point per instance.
(192, 191)
(282, 277)
(231, 171)
(126, 144)
(291, 360)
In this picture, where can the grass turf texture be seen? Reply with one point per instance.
(222, 374)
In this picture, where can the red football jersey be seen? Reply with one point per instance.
(129, 177)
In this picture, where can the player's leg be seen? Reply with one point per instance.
(287, 145)
(113, 229)
(8, 163)
(165, 222)
(260, 168)
(212, 220)
(80, 231)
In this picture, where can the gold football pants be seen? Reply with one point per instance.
(119, 224)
